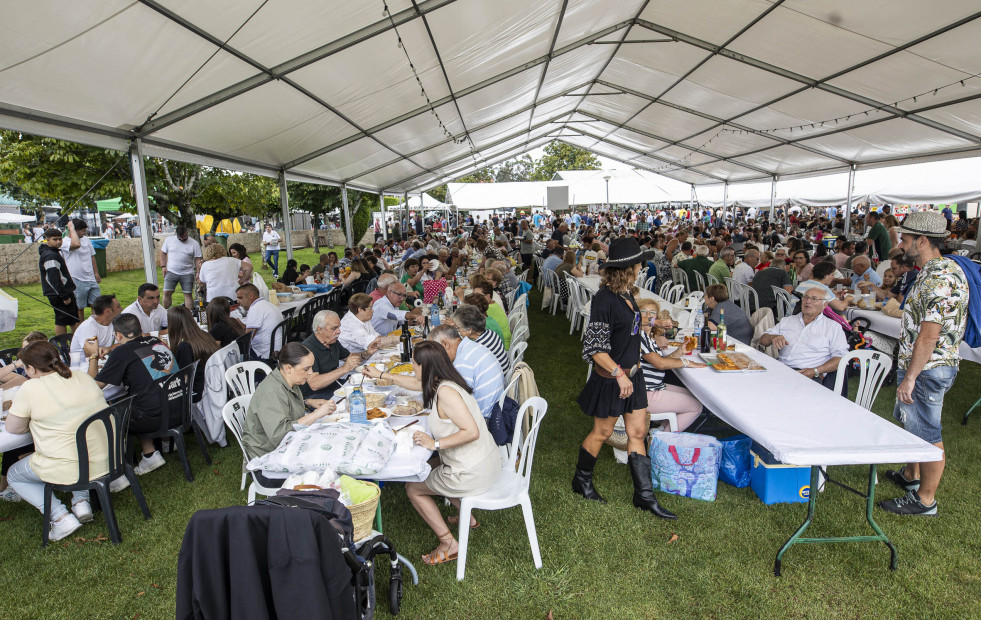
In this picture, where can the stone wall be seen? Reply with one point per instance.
(126, 254)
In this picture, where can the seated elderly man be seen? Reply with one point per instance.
(357, 334)
(774, 275)
(473, 361)
(744, 271)
(331, 360)
(387, 313)
(472, 324)
(864, 277)
(810, 342)
(261, 319)
(381, 286)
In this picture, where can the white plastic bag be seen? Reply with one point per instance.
(373, 453)
(8, 312)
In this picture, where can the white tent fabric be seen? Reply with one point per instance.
(406, 98)
(16, 218)
(428, 203)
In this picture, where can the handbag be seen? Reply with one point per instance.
(685, 464)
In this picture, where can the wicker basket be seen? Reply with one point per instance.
(363, 514)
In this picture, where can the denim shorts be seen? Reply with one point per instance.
(186, 281)
(86, 292)
(922, 417)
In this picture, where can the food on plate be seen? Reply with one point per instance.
(374, 413)
(735, 362)
(691, 343)
(410, 408)
(725, 363)
(401, 369)
(373, 399)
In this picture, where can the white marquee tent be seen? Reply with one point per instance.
(402, 97)
(425, 201)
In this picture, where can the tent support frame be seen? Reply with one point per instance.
(284, 204)
(143, 209)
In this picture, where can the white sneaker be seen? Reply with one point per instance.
(82, 511)
(64, 527)
(118, 484)
(149, 463)
(9, 495)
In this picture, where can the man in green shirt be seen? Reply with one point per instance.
(701, 264)
(722, 268)
(878, 237)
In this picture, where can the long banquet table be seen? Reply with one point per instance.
(803, 423)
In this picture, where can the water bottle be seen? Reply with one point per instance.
(358, 406)
(434, 315)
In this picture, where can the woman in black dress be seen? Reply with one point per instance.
(616, 386)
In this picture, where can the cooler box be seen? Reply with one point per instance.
(777, 483)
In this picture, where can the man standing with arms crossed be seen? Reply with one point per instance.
(933, 323)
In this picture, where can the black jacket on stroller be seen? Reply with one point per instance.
(261, 562)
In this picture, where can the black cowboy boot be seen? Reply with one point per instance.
(582, 482)
(640, 469)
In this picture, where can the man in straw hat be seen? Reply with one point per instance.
(933, 324)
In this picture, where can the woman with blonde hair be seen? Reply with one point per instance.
(219, 272)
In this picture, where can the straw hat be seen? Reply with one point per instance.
(926, 224)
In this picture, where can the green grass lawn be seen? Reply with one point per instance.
(609, 561)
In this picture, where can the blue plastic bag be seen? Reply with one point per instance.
(685, 464)
(737, 463)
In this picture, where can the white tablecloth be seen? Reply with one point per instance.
(678, 313)
(800, 421)
(890, 326)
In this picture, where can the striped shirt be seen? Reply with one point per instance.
(653, 378)
(495, 345)
(482, 373)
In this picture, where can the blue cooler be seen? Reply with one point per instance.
(777, 483)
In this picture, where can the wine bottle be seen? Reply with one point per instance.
(406, 341)
(721, 332)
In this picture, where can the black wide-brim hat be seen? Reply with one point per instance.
(625, 252)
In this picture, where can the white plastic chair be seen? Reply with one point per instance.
(750, 301)
(712, 280)
(663, 293)
(519, 335)
(515, 355)
(694, 298)
(241, 377)
(676, 293)
(785, 302)
(511, 488)
(699, 282)
(234, 415)
(874, 366)
(511, 390)
(515, 320)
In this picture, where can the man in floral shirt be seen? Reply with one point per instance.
(933, 323)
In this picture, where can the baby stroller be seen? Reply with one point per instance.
(284, 557)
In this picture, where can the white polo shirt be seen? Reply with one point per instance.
(811, 345)
(263, 316)
(153, 322)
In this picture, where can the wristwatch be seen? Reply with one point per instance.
(816, 373)
(436, 445)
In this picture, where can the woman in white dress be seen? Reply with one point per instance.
(470, 461)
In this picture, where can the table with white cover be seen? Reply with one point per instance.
(890, 327)
(803, 423)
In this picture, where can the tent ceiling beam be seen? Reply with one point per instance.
(478, 128)
(499, 141)
(503, 156)
(632, 164)
(719, 123)
(644, 153)
(712, 54)
(461, 93)
(541, 78)
(653, 153)
(821, 84)
(283, 69)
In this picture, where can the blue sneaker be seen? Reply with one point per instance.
(909, 504)
(899, 477)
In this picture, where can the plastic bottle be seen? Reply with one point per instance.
(358, 406)
(434, 315)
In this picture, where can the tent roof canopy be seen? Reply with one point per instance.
(405, 96)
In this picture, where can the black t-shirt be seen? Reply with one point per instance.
(223, 333)
(139, 365)
(185, 357)
(289, 276)
(325, 360)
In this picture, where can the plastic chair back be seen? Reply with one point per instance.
(517, 353)
(665, 289)
(873, 368)
(676, 293)
(280, 334)
(699, 281)
(63, 343)
(244, 344)
(9, 356)
(712, 279)
(241, 378)
(519, 335)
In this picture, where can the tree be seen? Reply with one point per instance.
(313, 198)
(517, 169)
(562, 156)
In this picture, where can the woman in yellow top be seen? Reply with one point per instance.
(52, 406)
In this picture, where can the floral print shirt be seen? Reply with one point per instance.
(939, 295)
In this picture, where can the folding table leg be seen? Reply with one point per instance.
(869, 506)
(968, 412)
(811, 506)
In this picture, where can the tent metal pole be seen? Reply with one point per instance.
(348, 230)
(848, 204)
(143, 209)
(381, 204)
(284, 203)
(725, 201)
(773, 196)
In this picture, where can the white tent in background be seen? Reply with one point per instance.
(427, 203)
(631, 186)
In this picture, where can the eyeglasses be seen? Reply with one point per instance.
(813, 299)
(399, 295)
